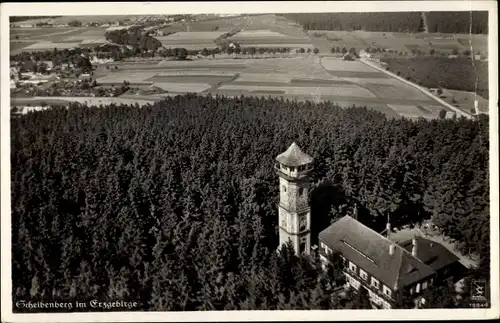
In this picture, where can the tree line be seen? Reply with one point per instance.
(174, 204)
(458, 22)
(369, 21)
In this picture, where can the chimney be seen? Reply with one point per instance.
(414, 249)
(391, 249)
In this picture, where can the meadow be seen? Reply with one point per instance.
(399, 42)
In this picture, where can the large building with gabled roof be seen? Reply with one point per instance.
(386, 269)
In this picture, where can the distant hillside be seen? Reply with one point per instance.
(444, 22)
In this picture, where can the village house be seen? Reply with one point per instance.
(387, 270)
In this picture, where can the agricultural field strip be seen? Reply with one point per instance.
(419, 88)
(82, 38)
(81, 99)
(278, 78)
(208, 35)
(50, 45)
(340, 90)
(374, 80)
(197, 73)
(407, 109)
(136, 77)
(401, 91)
(385, 89)
(335, 64)
(191, 46)
(183, 87)
(278, 45)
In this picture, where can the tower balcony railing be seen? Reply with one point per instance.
(293, 176)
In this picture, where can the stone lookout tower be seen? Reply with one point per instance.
(293, 169)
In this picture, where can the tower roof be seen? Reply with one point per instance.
(294, 156)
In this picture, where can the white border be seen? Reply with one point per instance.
(33, 9)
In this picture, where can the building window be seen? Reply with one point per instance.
(292, 169)
(302, 225)
(301, 191)
(411, 291)
(375, 283)
(418, 288)
(352, 266)
(424, 285)
(363, 274)
(387, 291)
(284, 188)
(325, 248)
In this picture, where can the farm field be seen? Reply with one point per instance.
(225, 24)
(36, 39)
(300, 78)
(37, 101)
(270, 38)
(454, 74)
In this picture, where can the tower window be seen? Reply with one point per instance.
(303, 223)
(301, 191)
(284, 188)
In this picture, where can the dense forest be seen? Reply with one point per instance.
(370, 21)
(458, 22)
(461, 74)
(174, 204)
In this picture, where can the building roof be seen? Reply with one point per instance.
(431, 253)
(294, 156)
(370, 251)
